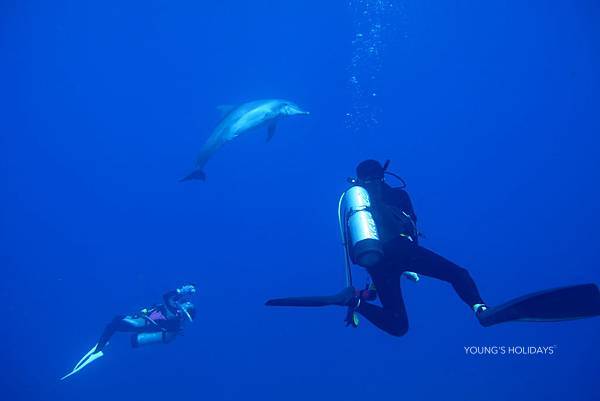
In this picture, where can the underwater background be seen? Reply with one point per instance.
(489, 110)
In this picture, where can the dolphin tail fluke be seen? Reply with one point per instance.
(197, 174)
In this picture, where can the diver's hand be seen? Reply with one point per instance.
(187, 289)
(412, 276)
(351, 319)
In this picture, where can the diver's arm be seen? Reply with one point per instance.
(408, 208)
(401, 199)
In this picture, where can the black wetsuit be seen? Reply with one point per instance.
(159, 318)
(396, 221)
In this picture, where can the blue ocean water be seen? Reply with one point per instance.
(489, 110)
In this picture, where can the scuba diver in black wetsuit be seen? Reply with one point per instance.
(153, 325)
(396, 221)
(379, 231)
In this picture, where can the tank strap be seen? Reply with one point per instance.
(352, 212)
(410, 238)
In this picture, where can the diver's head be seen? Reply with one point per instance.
(370, 171)
(370, 175)
(188, 310)
(291, 109)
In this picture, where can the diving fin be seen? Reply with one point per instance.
(564, 303)
(88, 358)
(343, 298)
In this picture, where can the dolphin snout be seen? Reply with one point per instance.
(299, 112)
(293, 110)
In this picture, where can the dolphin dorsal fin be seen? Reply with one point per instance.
(225, 109)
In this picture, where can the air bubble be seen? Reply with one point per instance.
(370, 26)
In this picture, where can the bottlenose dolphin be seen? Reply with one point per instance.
(239, 119)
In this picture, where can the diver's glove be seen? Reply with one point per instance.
(351, 298)
(369, 293)
(351, 319)
(187, 289)
(412, 276)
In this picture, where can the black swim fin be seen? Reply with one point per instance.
(564, 303)
(343, 298)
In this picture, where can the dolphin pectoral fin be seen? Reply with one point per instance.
(197, 174)
(271, 131)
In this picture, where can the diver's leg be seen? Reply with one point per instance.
(428, 263)
(133, 323)
(390, 318)
(120, 323)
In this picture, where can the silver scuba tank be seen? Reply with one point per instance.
(157, 337)
(361, 237)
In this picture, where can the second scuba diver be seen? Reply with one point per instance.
(379, 230)
(152, 325)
